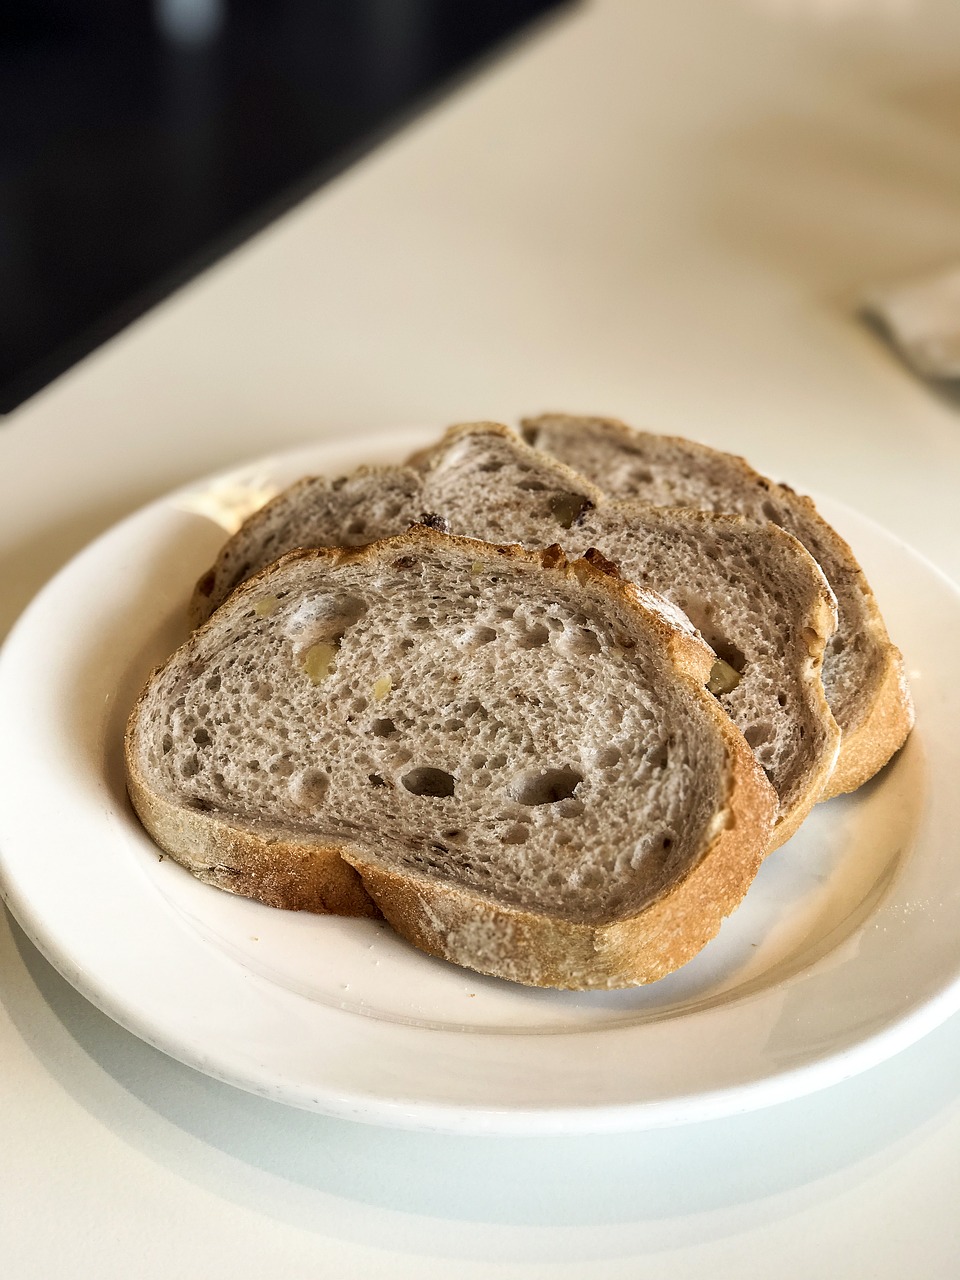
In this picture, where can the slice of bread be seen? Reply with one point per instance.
(350, 511)
(757, 596)
(515, 755)
(862, 671)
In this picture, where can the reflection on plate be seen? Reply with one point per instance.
(846, 949)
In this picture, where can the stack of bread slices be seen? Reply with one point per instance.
(544, 701)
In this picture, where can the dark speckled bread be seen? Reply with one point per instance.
(756, 595)
(513, 755)
(862, 671)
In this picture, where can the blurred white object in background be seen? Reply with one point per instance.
(189, 21)
(922, 318)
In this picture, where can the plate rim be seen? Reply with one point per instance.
(463, 1116)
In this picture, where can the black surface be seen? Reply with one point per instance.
(138, 142)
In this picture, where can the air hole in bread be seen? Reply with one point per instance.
(308, 788)
(570, 808)
(640, 475)
(772, 514)
(190, 765)
(576, 642)
(357, 526)
(376, 780)
(213, 683)
(478, 636)
(323, 619)
(569, 509)
(757, 734)
(532, 486)
(781, 699)
(166, 744)
(201, 737)
(545, 786)
(516, 834)
(491, 466)
(535, 638)
(427, 781)
(729, 653)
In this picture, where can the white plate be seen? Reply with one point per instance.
(846, 949)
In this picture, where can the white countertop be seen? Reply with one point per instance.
(662, 212)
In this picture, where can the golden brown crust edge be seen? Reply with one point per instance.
(875, 741)
(549, 951)
(885, 723)
(824, 624)
(295, 875)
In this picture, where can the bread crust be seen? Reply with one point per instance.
(299, 872)
(880, 735)
(823, 619)
(263, 864)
